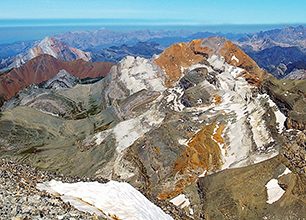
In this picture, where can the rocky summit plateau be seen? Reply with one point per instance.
(197, 131)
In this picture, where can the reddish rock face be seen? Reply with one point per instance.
(45, 67)
(174, 59)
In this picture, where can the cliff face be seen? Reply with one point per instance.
(289, 95)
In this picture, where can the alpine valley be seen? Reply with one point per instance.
(155, 125)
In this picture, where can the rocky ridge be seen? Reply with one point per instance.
(21, 200)
(45, 67)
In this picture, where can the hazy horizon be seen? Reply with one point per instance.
(195, 12)
(28, 30)
(23, 20)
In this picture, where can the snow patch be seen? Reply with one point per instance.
(113, 198)
(175, 98)
(183, 141)
(286, 171)
(280, 117)
(48, 113)
(261, 135)
(275, 192)
(217, 62)
(180, 201)
(203, 174)
(260, 157)
(235, 59)
(100, 137)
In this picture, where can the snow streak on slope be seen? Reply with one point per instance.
(127, 132)
(138, 74)
(280, 117)
(114, 199)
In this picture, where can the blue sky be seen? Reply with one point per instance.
(190, 11)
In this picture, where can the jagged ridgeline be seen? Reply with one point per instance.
(200, 125)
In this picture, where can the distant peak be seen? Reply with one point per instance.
(48, 40)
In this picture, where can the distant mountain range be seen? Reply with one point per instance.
(280, 52)
(285, 37)
(116, 53)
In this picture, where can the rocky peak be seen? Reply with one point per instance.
(53, 47)
(179, 56)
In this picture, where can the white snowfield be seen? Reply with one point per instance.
(112, 199)
(244, 111)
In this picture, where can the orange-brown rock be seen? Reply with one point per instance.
(202, 152)
(293, 124)
(179, 56)
(174, 59)
(217, 99)
(217, 136)
(43, 68)
(236, 57)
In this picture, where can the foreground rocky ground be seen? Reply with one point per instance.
(19, 198)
